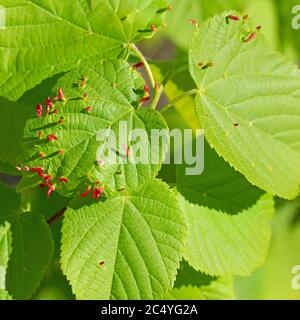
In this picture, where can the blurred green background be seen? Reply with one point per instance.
(273, 281)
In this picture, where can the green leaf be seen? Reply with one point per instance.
(4, 295)
(189, 277)
(220, 289)
(139, 238)
(5, 251)
(180, 30)
(32, 245)
(45, 37)
(113, 90)
(248, 103)
(220, 244)
(13, 116)
(219, 187)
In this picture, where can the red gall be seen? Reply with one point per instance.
(138, 65)
(26, 168)
(60, 152)
(41, 185)
(50, 191)
(89, 109)
(37, 169)
(18, 168)
(145, 99)
(231, 17)
(250, 37)
(63, 180)
(97, 193)
(49, 103)
(52, 137)
(83, 82)
(86, 192)
(193, 21)
(39, 110)
(153, 27)
(61, 95)
(48, 109)
(146, 88)
(41, 174)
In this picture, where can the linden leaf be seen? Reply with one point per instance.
(128, 247)
(113, 91)
(45, 37)
(248, 103)
(220, 244)
(32, 245)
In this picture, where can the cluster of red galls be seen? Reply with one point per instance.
(46, 177)
(50, 104)
(97, 191)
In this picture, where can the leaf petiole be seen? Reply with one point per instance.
(177, 99)
(140, 55)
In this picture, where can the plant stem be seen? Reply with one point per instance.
(56, 216)
(140, 55)
(159, 89)
(158, 92)
(182, 96)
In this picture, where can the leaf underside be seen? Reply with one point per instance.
(220, 244)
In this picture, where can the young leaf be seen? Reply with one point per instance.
(220, 244)
(32, 245)
(220, 289)
(54, 36)
(248, 103)
(112, 90)
(5, 251)
(128, 247)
